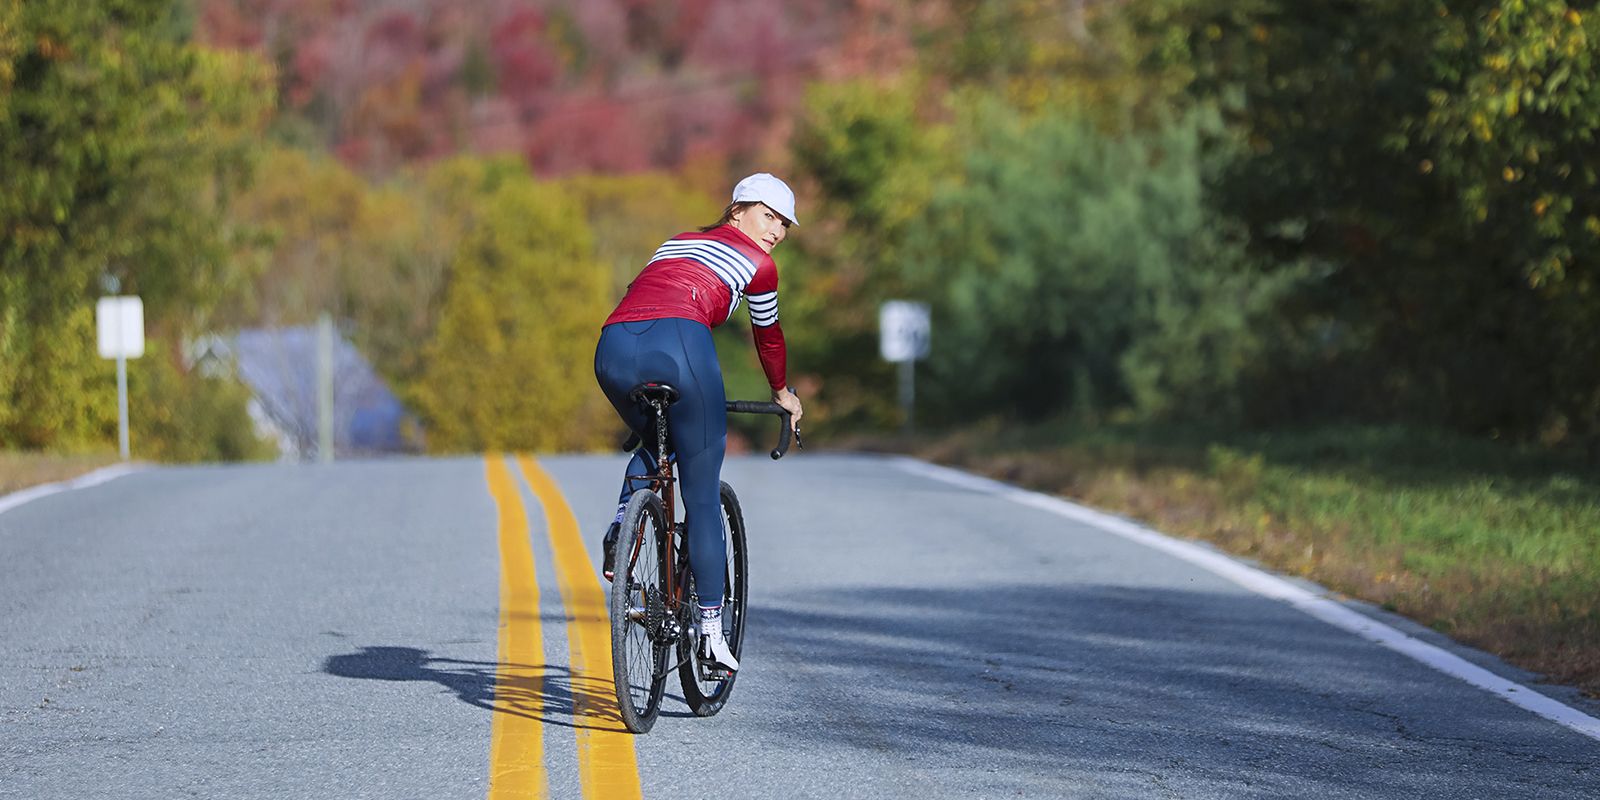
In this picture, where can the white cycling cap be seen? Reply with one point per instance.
(762, 187)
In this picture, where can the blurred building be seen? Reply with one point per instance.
(279, 365)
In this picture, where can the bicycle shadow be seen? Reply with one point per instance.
(548, 693)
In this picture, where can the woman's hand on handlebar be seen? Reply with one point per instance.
(791, 403)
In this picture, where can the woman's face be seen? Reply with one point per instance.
(761, 224)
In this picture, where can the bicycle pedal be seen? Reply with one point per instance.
(715, 675)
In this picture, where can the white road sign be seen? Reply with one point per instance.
(120, 321)
(903, 330)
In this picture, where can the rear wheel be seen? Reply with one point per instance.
(639, 624)
(706, 697)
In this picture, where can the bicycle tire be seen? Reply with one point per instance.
(706, 698)
(638, 612)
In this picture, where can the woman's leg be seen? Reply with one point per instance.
(700, 437)
(701, 481)
(699, 422)
(616, 368)
(681, 353)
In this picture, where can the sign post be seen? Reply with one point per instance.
(903, 338)
(119, 323)
(324, 388)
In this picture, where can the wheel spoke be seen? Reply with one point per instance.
(638, 648)
(706, 694)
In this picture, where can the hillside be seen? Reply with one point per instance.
(574, 86)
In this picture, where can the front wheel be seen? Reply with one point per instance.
(706, 697)
(639, 630)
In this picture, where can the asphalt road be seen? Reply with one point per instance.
(339, 631)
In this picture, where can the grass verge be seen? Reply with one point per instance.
(21, 469)
(1496, 546)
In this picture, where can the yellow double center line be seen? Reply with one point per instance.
(607, 766)
(516, 737)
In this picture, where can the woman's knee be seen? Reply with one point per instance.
(705, 520)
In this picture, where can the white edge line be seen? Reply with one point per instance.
(99, 476)
(1268, 585)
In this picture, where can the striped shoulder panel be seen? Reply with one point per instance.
(733, 267)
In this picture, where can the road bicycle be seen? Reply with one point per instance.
(653, 599)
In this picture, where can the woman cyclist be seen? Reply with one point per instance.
(661, 332)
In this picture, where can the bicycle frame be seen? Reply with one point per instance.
(664, 482)
(650, 605)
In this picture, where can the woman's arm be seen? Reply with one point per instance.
(770, 348)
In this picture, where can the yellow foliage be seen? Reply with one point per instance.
(55, 390)
(308, 207)
(477, 292)
(511, 364)
(10, 45)
(631, 215)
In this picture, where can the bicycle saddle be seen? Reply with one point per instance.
(651, 390)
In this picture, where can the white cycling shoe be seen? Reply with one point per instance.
(714, 652)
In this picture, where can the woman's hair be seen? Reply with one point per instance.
(727, 214)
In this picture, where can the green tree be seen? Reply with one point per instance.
(1438, 160)
(120, 142)
(868, 152)
(1513, 115)
(879, 154)
(374, 256)
(1075, 269)
(511, 363)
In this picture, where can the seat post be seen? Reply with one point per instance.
(658, 396)
(660, 405)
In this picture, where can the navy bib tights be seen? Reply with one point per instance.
(678, 352)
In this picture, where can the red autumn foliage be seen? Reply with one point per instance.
(574, 85)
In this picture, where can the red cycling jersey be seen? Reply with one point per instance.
(702, 277)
